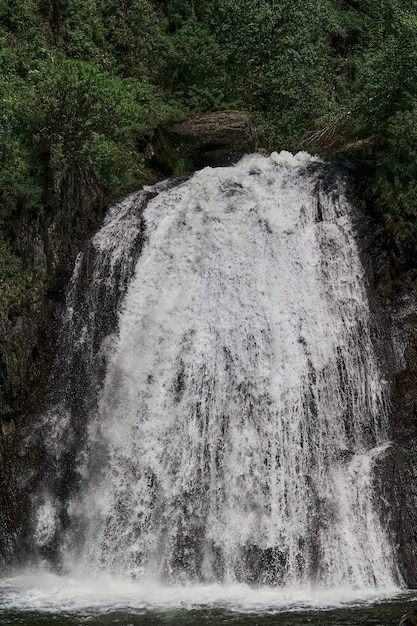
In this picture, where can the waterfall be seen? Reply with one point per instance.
(219, 404)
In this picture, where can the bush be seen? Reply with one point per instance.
(87, 114)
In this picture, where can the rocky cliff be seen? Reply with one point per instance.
(394, 300)
(47, 242)
(214, 139)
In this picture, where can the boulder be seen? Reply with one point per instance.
(215, 139)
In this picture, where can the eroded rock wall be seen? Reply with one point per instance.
(47, 241)
(214, 139)
(399, 476)
(394, 312)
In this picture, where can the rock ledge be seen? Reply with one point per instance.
(216, 139)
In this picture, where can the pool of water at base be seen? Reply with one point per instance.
(386, 614)
(59, 601)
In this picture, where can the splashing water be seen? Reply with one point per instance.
(241, 409)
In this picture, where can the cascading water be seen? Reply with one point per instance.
(232, 423)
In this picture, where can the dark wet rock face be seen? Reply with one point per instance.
(394, 315)
(214, 139)
(47, 241)
(404, 332)
(396, 471)
(400, 472)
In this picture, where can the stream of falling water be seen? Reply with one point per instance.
(241, 407)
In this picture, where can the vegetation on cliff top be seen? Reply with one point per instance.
(86, 81)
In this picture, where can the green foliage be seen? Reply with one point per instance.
(395, 184)
(81, 80)
(285, 76)
(17, 16)
(384, 107)
(69, 111)
(278, 59)
(16, 283)
(76, 112)
(17, 164)
(193, 65)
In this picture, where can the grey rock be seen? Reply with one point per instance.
(214, 139)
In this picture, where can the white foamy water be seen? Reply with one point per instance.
(42, 592)
(242, 408)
